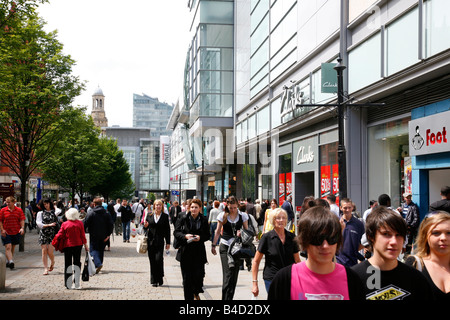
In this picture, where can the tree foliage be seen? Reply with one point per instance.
(83, 161)
(36, 85)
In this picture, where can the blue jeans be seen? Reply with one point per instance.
(267, 284)
(126, 231)
(97, 251)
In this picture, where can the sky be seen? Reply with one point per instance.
(123, 47)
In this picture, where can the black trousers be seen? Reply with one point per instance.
(156, 257)
(229, 275)
(193, 274)
(72, 274)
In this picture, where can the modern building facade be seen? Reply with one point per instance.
(205, 111)
(150, 113)
(394, 52)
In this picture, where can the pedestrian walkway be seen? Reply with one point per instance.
(125, 276)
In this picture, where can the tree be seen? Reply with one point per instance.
(36, 85)
(9, 9)
(83, 161)
(117, 182)
(77, 162)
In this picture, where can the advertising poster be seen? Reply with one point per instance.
(325, 181)
(336, 182)
(288, 184)
(281, 188)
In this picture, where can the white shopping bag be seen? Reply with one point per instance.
(91, 265)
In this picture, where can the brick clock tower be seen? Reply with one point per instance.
(98, 109)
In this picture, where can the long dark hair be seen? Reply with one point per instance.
(49, 201)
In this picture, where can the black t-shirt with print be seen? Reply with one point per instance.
(400, 283)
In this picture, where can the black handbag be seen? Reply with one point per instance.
(85, 273)
(247, 237)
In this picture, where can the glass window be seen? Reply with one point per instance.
(216, 35)
(437, 26)
(215, 105)
(276, 111)
(216, 12)
(260, 35)
(216, 82)
(252, 126)
(283, 32)
(263, 120)
(216, 59)
(364, 63)
(239, 133)
(402, 42)
(259, 13)
(387, 146)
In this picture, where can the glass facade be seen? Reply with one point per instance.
(437, 26)
(150, 113)
(149, 165)
(210, 62)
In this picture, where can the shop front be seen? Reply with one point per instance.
(430, 152)
(309, 167)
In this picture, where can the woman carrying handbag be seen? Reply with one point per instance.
(158, 231)
(191, 232)
(69, 240)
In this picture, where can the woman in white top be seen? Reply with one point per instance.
(230, 222)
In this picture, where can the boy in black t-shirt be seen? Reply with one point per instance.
(384, 277)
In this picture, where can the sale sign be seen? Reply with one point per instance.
(325, 181)
(336, 182)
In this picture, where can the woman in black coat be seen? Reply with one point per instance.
(158, 228)
(191, 232)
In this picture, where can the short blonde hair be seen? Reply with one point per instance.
(274, 213)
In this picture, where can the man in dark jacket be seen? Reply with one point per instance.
(98, 223)
(127, 215)
(444, 203)
(410, 212)
(175, 211)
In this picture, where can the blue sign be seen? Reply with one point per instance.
(175, 193)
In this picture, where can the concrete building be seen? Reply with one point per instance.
(394, 52)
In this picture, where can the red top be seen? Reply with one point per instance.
(11, 220)
(71, 234)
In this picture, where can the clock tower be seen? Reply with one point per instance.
(98, 109)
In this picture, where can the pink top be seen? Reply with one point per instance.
(308, 285)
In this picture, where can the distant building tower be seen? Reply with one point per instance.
(98, 109)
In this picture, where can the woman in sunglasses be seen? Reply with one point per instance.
(319, 277)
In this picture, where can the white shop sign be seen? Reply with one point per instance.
(429, 134)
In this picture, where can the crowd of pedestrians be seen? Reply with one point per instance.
(336, 253)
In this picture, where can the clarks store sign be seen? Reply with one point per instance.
(429, 134)
(305, 154)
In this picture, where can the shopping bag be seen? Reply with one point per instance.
(91, 265)
(85, 273)
(133, 231)
(141, 246)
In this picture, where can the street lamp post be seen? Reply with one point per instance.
(342, 161)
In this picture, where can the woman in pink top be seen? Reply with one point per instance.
(319, 277)
(70, 239)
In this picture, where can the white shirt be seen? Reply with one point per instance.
(335, 209)
(220, 218)
(116, 208)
